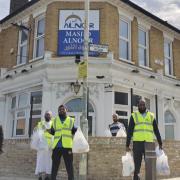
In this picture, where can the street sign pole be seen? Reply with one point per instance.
(84, 121)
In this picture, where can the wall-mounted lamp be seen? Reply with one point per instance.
(135, 71)
(76, 86)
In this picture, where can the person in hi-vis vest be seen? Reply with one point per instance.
(44, 151)
(142, 127)
(63, 129)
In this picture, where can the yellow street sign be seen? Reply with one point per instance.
(82, 69)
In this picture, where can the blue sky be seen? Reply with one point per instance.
(168, 10)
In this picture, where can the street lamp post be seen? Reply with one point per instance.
(84, 121)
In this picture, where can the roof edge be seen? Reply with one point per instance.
(147, 13)
(18, 11)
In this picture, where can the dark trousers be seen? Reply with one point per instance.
(138, 152)
(68, 160)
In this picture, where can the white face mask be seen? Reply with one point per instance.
(47, 125)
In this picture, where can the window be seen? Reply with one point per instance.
(20, 123)
(143, 47)
(35, 114)
(25, 113)
(22, 49)
(121, 98)
(124, 40)
(169, 125)
(168, 61)
(39, 37)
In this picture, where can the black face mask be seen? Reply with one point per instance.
(142, 110)
(62, 115)
(47, 119)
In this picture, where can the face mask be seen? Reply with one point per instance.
(47, 119)
(142, 110)
(62, 115)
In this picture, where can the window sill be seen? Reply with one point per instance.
(146, 67)
(126, 61)
(170, 76)
(19, 65)
(36, 59)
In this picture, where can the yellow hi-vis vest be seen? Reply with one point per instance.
(143, 130)
(47, 135)
(63, 132)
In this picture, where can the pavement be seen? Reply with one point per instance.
(26, 178)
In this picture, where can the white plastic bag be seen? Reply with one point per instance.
(80, 144)
(107, 133)
(38, 141)
(162, 166)
(128, 164)
(34, 140)
(121, 132)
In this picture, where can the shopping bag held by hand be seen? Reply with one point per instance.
(80, 144)
(128, 164)
(162, 166)
(121, 133)
(107, 133)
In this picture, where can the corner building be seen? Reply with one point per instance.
(41, 41)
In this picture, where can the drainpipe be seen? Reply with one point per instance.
(131, 100)
(156, 105)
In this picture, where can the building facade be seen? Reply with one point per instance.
(41, 42)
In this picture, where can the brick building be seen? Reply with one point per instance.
(40, 41)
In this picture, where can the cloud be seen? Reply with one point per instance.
(168, 10)
(4, 8)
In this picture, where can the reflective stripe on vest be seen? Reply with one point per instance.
(143, 130)
(63, 131)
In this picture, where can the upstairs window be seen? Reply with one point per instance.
(124, 40)
(39, 37)
(23, 46)
(168, 61)
(143, 47)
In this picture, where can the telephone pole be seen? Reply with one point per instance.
(84, 121)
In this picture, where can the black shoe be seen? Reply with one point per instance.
(40, 178)
(47, 178)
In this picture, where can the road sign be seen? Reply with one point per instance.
(101, 48)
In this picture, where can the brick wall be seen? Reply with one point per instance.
(156, 48)
(8, 41)
(109, 34)
(104, 159)
(176, 57)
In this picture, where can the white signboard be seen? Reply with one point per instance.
(98, 48)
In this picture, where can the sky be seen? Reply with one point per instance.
(168, 10)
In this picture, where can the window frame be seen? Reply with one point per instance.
(128, 21)
(37, 38)
(144, 47)
(173, 124)
(21, 45)
(27, 113)
(170, 58)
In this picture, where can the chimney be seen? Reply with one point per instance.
(17, 4)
